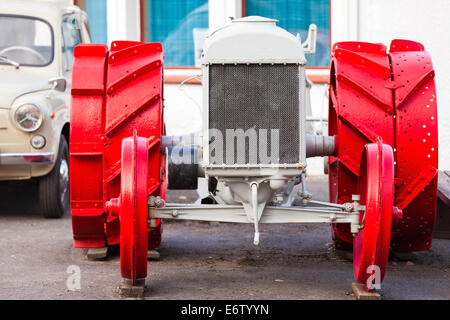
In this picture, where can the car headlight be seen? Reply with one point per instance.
(28, 117)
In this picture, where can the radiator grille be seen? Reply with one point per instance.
(255, 97)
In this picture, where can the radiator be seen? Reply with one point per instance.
(257, 97)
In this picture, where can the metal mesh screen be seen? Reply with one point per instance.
(261, 100)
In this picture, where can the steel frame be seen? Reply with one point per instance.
(271, 214)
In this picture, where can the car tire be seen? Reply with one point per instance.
(54, 195)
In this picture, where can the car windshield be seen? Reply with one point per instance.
(26, 41)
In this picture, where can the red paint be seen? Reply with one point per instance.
(367, 103)
(180, 78)
(416, 137)
(319, 78)
(375, 186)
(386, 154)
(132, 208)
(113, 93)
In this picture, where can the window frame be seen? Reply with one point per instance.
(85, 28)
(143, 8)
(68, 73)
(243, 6)
(177, 74)
(85, 22)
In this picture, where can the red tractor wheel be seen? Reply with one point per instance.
(132, 208)
(389, 95)
(375, 187)
(114, 93)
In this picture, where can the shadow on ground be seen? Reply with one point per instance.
(201, 260)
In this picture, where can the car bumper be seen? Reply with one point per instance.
(21, 159)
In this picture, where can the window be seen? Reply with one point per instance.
(71, 38)
(180, 25)
(25, 40)
(96, 10)
(295, 16)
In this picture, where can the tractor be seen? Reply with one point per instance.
(381, 147)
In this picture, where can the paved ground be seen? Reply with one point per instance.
(201, 261)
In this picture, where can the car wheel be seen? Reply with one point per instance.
(54, 195)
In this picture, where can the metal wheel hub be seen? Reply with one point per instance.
(63, 179)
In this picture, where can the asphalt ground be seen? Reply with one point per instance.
(201, 260)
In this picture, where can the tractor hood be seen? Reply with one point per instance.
(252, 39)
(17, 83)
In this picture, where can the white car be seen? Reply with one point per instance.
(37, 41)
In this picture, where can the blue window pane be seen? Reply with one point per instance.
(96, 10)
(172, 22)
(295, 16)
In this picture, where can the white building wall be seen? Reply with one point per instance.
(123, 20)
(424, 21)
(182, 112)
(221, 12)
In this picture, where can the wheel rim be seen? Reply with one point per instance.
(133, 209)
(63, 180)
(365, 243)
(376, 189)
(387, 203)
